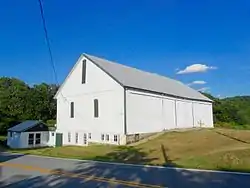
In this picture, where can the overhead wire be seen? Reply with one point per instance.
(50, 51)
(47, 40)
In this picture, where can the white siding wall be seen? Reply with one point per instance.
(46, 139)
(147, 112)
(13, 141)
(203, 114)
(144, 113)
(169, 113)
(99, 86)
(184, 114)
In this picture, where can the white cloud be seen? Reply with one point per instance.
(204, 89)
(197, 82)
(196, 68)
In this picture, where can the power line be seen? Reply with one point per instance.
(50, 51)
(47, 40)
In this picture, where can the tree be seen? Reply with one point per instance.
(19, 102)
(234, 110)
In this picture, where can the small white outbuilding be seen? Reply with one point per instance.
(105, 102)
(30, 134)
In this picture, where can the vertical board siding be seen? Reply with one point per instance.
(169, 114)
(153, 113)
(203, 115)
(184, 114)
(143, 113)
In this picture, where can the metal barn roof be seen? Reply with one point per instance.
(24, 126)
(134, 78)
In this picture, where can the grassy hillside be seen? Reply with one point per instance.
(222, 149)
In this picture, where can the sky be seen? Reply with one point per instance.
(204, 44)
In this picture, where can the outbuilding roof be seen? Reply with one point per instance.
(138, 79)
(24, 126)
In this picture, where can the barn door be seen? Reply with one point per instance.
(184, 114)
(85, 142)
(59, 139)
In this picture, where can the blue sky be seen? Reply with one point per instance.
(205, 41)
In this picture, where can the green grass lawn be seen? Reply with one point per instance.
(221, 149)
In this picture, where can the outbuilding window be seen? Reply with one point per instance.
(102, 136)
(38, 138)
(31, 139)
(11, 133)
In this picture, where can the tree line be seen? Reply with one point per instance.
(19, 102)
(233, 112)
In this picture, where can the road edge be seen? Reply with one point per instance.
(136, 165)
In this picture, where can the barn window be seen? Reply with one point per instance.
(102, 136)
(76, 138)
(85, 138)
(107, 137)
(83, 71)
(69, 136)
(31, 139)
(115, 138)
(96, 108)
(89, 135)
(72, 109)
(38, 138)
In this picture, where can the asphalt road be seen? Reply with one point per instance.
(23, 171)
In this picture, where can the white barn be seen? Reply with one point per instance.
(106, 102)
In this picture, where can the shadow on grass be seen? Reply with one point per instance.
(167, 161)
(233, 138)
(234, 170)
(126, 154)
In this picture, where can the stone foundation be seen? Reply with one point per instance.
(132, 138)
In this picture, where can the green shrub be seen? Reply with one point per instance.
(51, 122)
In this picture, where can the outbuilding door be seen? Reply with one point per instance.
(59, 139)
